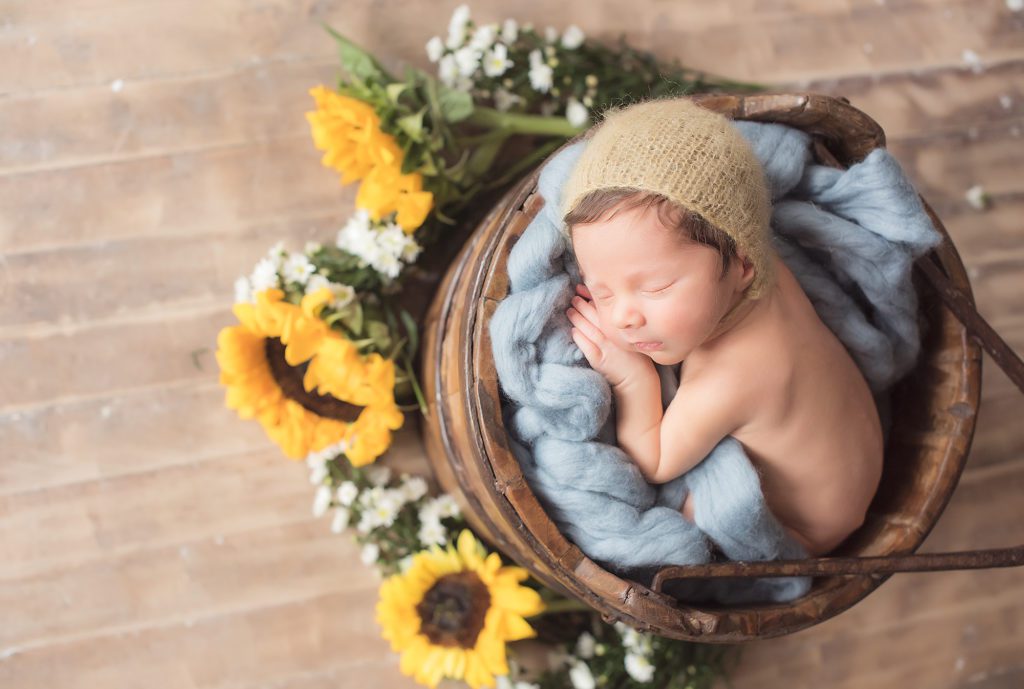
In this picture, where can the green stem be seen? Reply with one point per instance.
(416, 388)
(520, 123)
(523, 164)
(564, 605)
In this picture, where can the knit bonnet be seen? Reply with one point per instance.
(691, 155)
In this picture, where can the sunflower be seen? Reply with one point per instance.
(349, 131)
(261, 363)
(452, 612)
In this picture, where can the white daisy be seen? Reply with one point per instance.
(448, 70)
(457, 26)
(264, 275)
(277, 254)
(446, 506)
(576, 113)
(298, 269)
(572, 38)
(369, 553)
(467, 59)
(322, 501)
(581, 676)
(973, 60)
(318, 473)
(977, 198)
(504, 100)
(639, 667)
(347, 493)
(414, 488)
(585, 645)
(509, 31)
(365, 524)
(550, 34)
(435, 49)
(386, 509)
(536, 58)
(341, 519)
(540, 77)
(387, 264)
(496, 61)
(243, 290)
(432, 533)
(411, 250)
(378, 475)
(483, 37)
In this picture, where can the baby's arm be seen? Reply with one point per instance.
(696, 420)
(700, 415)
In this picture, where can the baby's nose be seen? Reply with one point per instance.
(625, 317)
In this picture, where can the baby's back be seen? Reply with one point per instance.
(811, 425)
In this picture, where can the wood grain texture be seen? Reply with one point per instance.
(151, 151)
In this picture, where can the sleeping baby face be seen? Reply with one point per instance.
(654, 291)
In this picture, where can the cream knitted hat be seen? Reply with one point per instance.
(694, 157)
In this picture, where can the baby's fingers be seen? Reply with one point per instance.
(589, 349)
(585, 326)
(586, 308)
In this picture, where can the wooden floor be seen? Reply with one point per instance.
(150, 151)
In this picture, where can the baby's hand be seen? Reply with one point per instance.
(616, 364)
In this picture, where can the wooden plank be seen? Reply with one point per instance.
(777, 38)
(63, 288)
(50, 529)
(155, 118)
(909, 105)
(257, 646)
(110, 358)
(204, 192)
(175, 584)
(148, 429)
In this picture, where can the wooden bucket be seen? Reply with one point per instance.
(934, 411)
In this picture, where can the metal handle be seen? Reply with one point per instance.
(961, 307)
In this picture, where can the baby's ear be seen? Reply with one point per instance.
(746, 268)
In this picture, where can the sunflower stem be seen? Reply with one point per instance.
(564, 605)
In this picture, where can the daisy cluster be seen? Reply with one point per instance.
(384, 246)
(294, 271)
(596, 662)
(479, 59)
(393, 518)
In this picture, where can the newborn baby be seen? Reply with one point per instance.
(668, 215)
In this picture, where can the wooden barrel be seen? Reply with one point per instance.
(934, 412)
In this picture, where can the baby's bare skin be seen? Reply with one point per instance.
(809, 423)
(769, 373)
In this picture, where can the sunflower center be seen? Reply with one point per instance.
(452, 612)
(289, 378)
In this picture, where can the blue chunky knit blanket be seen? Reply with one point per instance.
(849, 236)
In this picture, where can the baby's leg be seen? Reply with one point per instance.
(688, 506)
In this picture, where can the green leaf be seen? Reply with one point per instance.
(413, 125)
(379, 333)
(455, 105)
(395, 90)
(482, 157)
(411, 329)
(357, 62)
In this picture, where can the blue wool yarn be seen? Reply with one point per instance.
(849, 236)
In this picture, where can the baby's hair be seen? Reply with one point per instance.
(603, 204)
